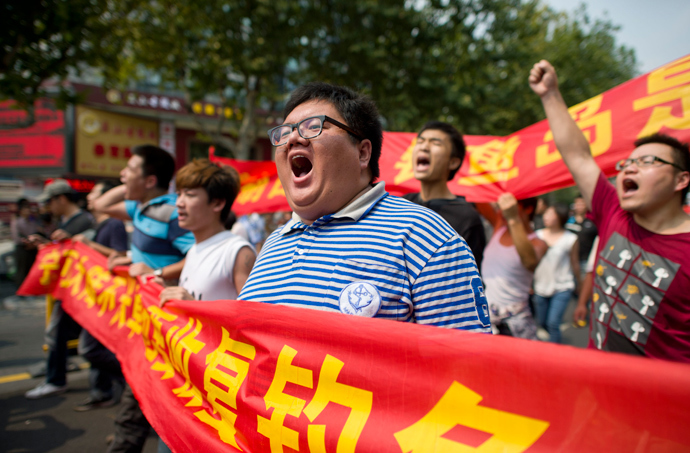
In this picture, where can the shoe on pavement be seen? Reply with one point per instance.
(93, 403)
(44, 390)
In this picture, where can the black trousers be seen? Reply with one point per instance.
(131, 427)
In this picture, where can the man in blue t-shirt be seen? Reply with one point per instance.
(158, 247)
(158, 243)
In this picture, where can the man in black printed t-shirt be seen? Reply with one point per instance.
(436, 158)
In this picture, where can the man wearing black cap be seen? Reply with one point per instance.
(60, 198)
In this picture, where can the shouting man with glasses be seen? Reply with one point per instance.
(642, 276)
(350, 247)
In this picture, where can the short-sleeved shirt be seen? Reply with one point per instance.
(158, 240)
(79, 223)
(586, 232)
(554, 273)
(112, 234)
(462, 216)
(641, 285)
(381, 256)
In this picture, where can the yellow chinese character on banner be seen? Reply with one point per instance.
(74, 264)
(252, 191)
(327, 391)
(595, 125)
(511, 433)
(491, 162)
(667, 87)
(182, 343)
(282, 403)
(404, 165)
(125, 301)
(107, 298)
(96, 280)
(222, 386)
(157, 315)
(277, 190)
(49, 264)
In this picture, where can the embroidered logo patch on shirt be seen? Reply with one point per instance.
(360, 299)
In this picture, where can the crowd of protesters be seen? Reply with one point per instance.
(327, 255)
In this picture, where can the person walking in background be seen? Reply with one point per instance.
(554, 278)
(586, 231)
(511, 256)
(22, 226)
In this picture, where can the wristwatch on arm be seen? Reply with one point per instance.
(158, 272)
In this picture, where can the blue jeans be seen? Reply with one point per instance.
(550, 312)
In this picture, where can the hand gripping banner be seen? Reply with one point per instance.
(526, 162)
(253, 377)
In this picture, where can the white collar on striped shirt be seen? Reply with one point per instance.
(354, 210)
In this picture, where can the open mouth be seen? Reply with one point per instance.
(423, 163)
(301, 166)
(629, 186)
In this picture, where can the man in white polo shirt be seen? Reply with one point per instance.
(350, 246)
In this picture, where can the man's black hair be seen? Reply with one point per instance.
(529, 203)
(157, 162)
(358, 111)
(107, 184)
(456, 140)
(681, 154)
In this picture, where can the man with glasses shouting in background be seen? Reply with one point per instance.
(350, 247)
(642, 276)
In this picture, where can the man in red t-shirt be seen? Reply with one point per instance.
(642, 276)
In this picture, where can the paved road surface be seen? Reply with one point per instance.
(49, 424)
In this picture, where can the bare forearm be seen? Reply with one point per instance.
(100, 248)
(525, 249)
(173, 271)
(585, 290)
(112, 203)
(569, 139)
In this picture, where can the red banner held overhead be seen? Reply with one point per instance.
(253, 377)
(525, 163)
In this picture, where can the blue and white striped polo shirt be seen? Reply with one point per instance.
(381, 256)
(158, 240)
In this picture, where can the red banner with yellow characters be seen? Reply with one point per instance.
(525, 163)
(253, 377)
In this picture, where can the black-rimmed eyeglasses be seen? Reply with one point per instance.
(644, 161)
(308, 128)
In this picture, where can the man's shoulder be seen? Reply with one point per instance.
(412, 196)
(412, 216)
(161, 209)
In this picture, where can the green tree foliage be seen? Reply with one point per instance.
(463, 61)
(488, 92)
(44, 40)
(239, 51)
